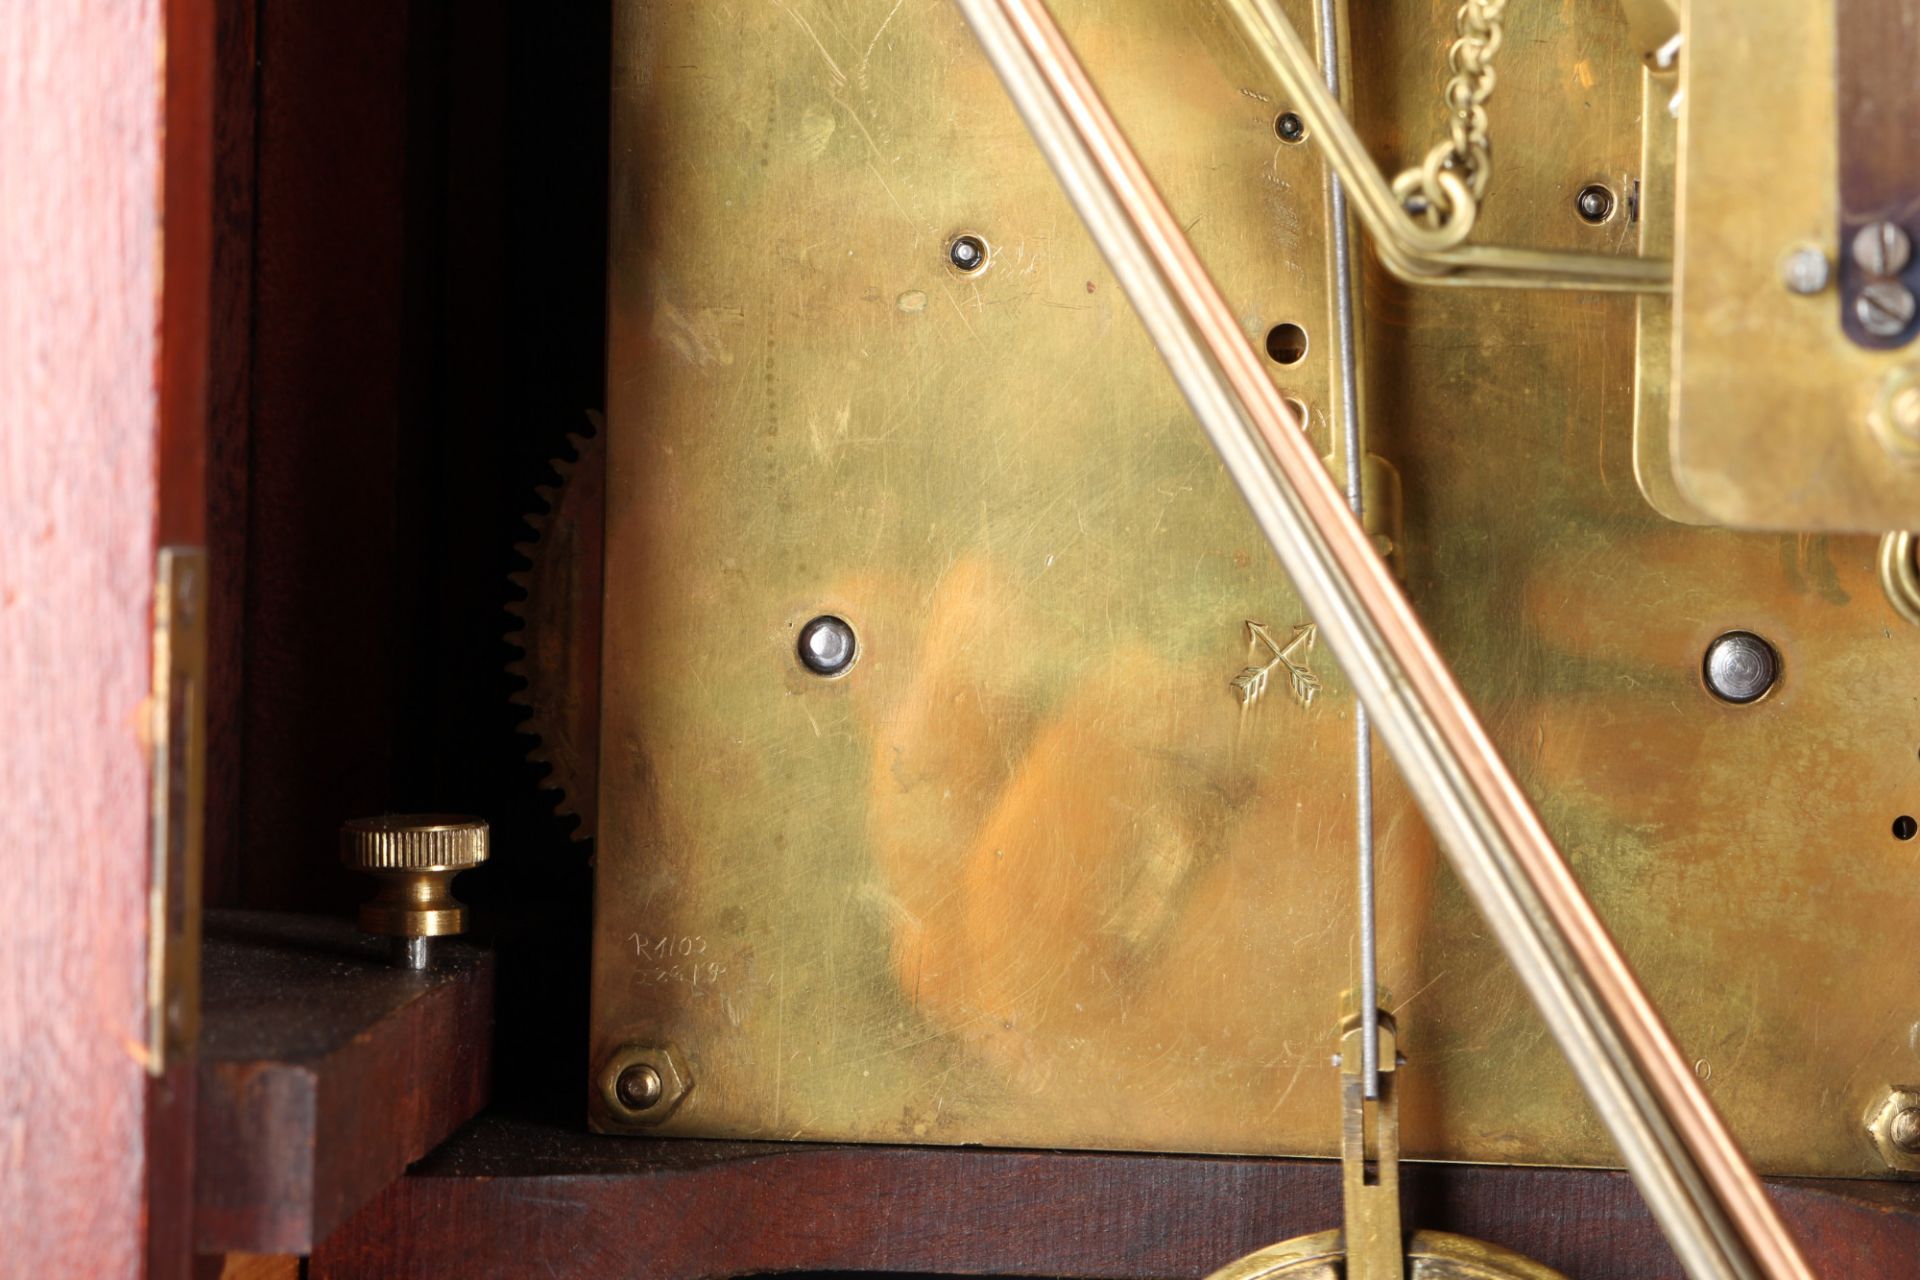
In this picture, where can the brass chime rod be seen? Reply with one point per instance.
(1695, 1179)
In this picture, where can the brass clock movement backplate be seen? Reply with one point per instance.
(1041, 867)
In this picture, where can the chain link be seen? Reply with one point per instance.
(1446, 188)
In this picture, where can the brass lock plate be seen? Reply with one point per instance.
(1029, 872)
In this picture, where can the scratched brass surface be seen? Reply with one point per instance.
(1030, 873)
(1770, 397)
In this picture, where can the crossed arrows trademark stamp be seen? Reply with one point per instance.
(1251, 683)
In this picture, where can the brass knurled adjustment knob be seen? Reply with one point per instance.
(414, 857)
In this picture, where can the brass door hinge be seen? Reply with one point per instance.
(178, 731)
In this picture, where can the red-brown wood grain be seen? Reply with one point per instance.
(509, 1200)
(324, 1071)
(331, 582)
(81, 111)
(229, 423)
(187, 270)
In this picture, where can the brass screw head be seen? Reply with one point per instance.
(1893, 1123)
(415, 857)
(640, 1085)
(1896, 413)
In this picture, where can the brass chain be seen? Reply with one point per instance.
(1447, 187)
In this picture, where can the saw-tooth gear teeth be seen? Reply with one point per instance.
(584, 443)
(558, 637)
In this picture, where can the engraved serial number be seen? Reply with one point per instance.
(673, 958)
(667, 946)
(692, 975)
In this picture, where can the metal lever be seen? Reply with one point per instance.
(1370, 1186)
(1414, 253)
(1369, 1244)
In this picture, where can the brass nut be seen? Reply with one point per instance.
(1896, 414)
(640, 1085)
(1894, 1125)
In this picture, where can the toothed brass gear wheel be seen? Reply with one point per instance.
(560, 638)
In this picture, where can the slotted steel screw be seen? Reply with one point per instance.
(1882, 249)
(1885, 308)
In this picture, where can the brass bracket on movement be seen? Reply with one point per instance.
(640, 1085)
(178, 806)
(1413, 251)
(1383, 508)
(1653, 361)
(1790, 408)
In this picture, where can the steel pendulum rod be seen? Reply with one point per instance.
(1350, 442)
(1693, 1176)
